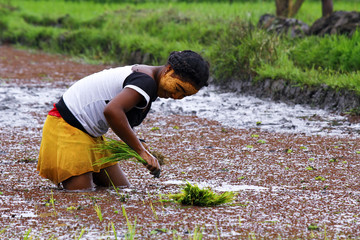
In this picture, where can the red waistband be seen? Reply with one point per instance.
(54, 112)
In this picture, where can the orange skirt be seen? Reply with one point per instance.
(66, 151)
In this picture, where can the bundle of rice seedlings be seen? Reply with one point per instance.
(119, 151)
(193, 195)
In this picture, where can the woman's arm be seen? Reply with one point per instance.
(115, 114)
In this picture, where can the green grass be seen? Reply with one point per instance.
(226, 34)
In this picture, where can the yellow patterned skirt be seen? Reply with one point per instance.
(66, 151)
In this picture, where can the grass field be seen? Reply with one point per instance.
(226, 34)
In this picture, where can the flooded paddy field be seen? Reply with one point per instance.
(292, 182)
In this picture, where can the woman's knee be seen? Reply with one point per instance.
(81, 182)
(112, 175)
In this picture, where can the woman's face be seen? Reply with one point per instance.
(173, 87)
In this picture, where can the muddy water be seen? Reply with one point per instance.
(18, 104)
(246, 112)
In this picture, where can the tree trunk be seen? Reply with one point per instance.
(295, 8)
(286, 8)
(327, 7)
(282, 8)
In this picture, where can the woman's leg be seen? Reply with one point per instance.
(81, 182)
(116, 175)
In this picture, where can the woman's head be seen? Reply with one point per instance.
(190, 67)
(186, 72)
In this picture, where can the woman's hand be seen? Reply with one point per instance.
(152, 163)
(115, 114)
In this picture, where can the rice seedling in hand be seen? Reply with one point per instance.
(119, 151)
(195, 196)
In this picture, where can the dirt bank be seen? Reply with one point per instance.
(288, 186)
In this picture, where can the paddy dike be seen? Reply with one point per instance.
(288, 185)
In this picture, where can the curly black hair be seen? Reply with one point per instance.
(190, 66)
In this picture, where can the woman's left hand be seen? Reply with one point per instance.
(152, 163)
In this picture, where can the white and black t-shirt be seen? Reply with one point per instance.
(83, 104)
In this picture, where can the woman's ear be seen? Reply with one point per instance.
(168, 68)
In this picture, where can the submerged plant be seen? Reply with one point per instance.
(193, 195)
(97, 209)
(81, 233)
(27, 234)
(153, 210)
(131, 231)
(313, 227)
(119, 151)
(320, 178)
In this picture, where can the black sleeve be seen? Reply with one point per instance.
(136, 115)
(144, 82)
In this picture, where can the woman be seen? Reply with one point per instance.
(119, 98)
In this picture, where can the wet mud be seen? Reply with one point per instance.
(289, 186)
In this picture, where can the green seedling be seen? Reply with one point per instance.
(254, 135)
(114, 230)
(333, 160)
(249, 146)
(313, 227)
(97, 209)
(217, 231)
(28, 160)
(303, 148)
(122, 197)
(119, 151)
(224, 130)
(310, 168)
(4, 229)
(81, 234)
(27, 234)
(258, 123)
(320, 178)
(130, 234)
(176, 127)
(358, 152)
(261, 141)
(154, 211)
(252, 236)
(155, 129)
(193, 195)
(198, 234)
(52, 202)
(71, 208)
(159, 230)
(311, 159)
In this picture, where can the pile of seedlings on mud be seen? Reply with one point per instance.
(205, 197)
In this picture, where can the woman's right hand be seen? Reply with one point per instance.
(152, 163)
